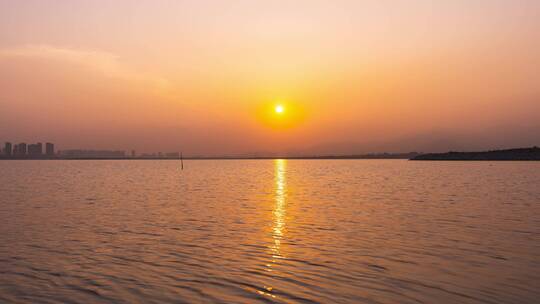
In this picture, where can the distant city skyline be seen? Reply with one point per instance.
(22, 150)
(35, 151)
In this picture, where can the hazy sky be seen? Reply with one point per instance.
(203, 76)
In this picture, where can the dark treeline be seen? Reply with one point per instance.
(510, 154)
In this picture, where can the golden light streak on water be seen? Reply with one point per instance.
(280, 198)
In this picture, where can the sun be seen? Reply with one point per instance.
(280, 114)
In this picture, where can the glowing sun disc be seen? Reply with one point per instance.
(279, 109)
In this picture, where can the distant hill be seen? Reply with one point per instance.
(510, 154)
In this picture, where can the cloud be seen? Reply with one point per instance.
(105, 63)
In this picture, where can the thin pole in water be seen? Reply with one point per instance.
(181, 161)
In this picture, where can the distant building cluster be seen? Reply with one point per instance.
(91, 154)
(172, 155)
(27, 151)
(111, 154)
(47, 151)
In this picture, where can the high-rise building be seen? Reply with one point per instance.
(35, 150)
(31, 149)
(21, 149)
(49, 149)
(7, 149)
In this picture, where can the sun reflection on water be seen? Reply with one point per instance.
(278, 212)
(278, 222)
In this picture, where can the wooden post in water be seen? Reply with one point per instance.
(181, 161)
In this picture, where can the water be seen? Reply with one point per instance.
(284, 231)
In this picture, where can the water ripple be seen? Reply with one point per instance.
(272, 231)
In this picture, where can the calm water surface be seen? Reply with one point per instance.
(284, 231)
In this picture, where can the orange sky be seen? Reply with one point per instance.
(204, 76)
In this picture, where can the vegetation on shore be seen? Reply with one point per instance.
(510, 154)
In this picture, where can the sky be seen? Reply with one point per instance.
(204, 77)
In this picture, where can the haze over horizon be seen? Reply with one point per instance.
(205, 77)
